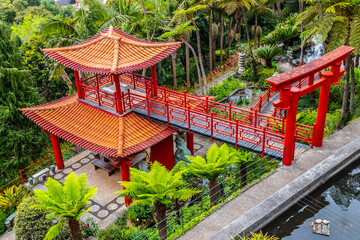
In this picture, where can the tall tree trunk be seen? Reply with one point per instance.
(187, 60)
(173, 58)
(278, 5)
(75, 229)
(67, 80)
(215, 192)
(160, 215)
(255, 32)
(352, 88)
(196, 63)
(345, 104)
(221, 37)
(199, 52)
(357, 61)
(210, 41)
(147, 30)
(301, 8)
(243, 172)
(253, 62)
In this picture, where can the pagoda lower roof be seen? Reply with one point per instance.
(97, 130)
(112, 51)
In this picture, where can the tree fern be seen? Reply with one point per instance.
(66, 202)
(217, 160)
(158, 187)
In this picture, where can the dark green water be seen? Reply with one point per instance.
(338, 200)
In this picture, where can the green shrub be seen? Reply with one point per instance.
(31, 223)
(2, 222)
(224, 88)
(263, 73)
(267, 52)
(259, 236)
(114, 233)
(140, 214)
(12, 197)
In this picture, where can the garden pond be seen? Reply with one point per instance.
(338, 201)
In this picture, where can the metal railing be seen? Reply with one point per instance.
(228, 188)
(30, 170)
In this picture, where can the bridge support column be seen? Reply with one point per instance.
(163, 152)
(57, 151)
(289, 142)
(322, 109)
(118, 93)
(190, 141)
(125, 176)
(154, 79)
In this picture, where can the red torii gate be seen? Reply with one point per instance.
(289, 96)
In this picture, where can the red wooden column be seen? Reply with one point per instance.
(118, 93)
(322, 108)
(289, 142)
(125, 176)
(154, 79)
(78, 87)
(163, 152)
(190, 141)
(57, 151)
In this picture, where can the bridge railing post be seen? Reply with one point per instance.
(211, 125)
(167, 113)
(290, 140)
(322, 108)
(236, 132)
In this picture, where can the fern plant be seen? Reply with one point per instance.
(159, 187)
(216, 161)
(12, 197)
(66, 202)
(267, 52)
(259, 236)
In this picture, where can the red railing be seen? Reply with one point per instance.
(203, 113)
(259, 133)
(29, 171)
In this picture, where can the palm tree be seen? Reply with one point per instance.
(179, 32)
(267, 52)
(242, 5)
(338, 20)
(258, 9)
(189, 13)
(216, 161)
(159, 187)
(66, 202)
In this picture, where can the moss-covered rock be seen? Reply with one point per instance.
(32, 224)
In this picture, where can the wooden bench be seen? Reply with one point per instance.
(105, 166)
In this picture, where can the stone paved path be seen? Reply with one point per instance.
(217, 80)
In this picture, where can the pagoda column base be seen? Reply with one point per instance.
(163, 152)
(125, 176)
(190, 142)
(57, 151)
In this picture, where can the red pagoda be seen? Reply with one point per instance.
(94, 118)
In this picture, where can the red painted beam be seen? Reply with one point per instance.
(294, 75)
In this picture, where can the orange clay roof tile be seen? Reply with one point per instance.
(96, 130)
(112, 51)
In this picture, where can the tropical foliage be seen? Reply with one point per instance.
(66, 202)
(210, 168)
(32, 223)
(12, 197)
(159, 188)
(267, 52)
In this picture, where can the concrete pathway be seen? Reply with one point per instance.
(251, 210)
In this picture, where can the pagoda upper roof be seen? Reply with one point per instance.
(97, 130)
(112, 51)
